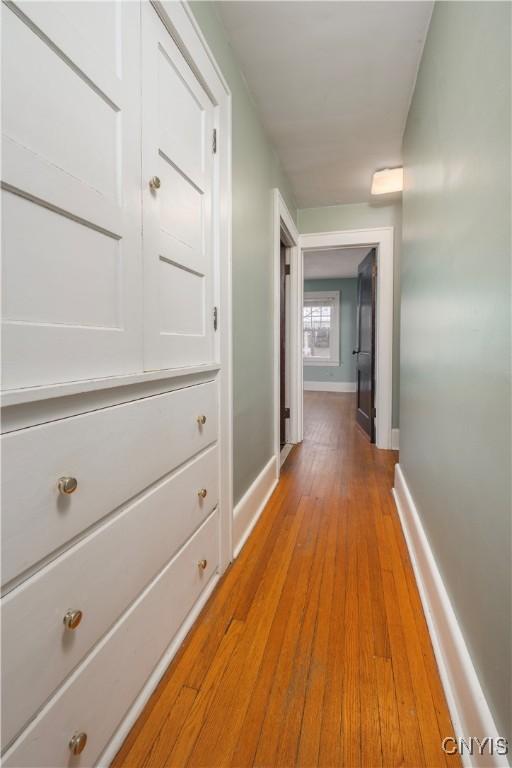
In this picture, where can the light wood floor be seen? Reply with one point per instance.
(313, 650)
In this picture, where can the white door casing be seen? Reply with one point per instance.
(382, 239)
(177, 120)
(284, 229)
(71, 191)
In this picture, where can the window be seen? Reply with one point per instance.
(321, 317)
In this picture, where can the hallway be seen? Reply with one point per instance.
(313, 650)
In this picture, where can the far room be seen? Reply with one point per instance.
(339, 342)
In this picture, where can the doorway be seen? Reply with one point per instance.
(339, 332)
(381, 240)
(287, 271)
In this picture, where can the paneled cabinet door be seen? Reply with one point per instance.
(177, 172)
(71, 197)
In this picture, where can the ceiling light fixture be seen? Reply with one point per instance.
(388, 180)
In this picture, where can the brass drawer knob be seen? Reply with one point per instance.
(77, 743)
(201, 419)
(202, 564)
(154, 182)
(203, 493)
(67, 485)
(72, 619)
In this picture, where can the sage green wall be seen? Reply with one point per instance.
(346, 370)
(256, 171)
(455, 416)
(362, 216)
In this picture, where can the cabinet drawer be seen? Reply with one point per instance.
(96, 698)
(113, 453)
(100, 576)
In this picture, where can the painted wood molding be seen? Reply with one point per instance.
(284, 227)
(253, 502)
(382, 239)
(330, 386)
(468, 707)
(142, 699)
(395, 439)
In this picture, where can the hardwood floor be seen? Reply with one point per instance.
(313, 650)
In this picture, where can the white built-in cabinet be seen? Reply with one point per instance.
(111, 369)
(107, 243)
(71, 197)
(177, 217)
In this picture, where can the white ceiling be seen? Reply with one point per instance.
(332, 82)
(333, 262)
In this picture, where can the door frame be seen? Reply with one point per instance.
(186, 33)
(286, 231)
(382, 239)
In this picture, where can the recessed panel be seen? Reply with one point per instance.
(182, 140)
(98, 23)
(56, 270)
(49, 108)
(178, 243)
(181, 207)
(181, 300)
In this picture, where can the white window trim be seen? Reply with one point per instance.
(334, 358)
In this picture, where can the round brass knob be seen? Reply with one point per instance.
(201, 419)
(202, 564)
(203, 493)
(72, 619)
(154, 182)
(77, 743)
(67, 485)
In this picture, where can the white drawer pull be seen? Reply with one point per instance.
(77, 743)
(203, 493)
(67, 485)
(72, 619)
(201, 419)
(203, 564)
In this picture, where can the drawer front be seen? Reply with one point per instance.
(113, 453)
(99, 694)
(100, 576)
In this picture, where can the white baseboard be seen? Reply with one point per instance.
(330, 386)
(395, 439)
(285, 452)
(468, 707)
(252, 503)
(142, 699)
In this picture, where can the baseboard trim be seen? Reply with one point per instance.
(142, 699)
(395, 439)
(330, 386)
(252, 503)
(285, 452)
(468, 707)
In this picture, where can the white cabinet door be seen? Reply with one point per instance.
(177, 133)
(71, 194)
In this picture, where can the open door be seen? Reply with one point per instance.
(282, 346)
(365, 350)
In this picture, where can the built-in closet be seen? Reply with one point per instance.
(112, 368)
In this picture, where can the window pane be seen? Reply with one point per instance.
(317, 328)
